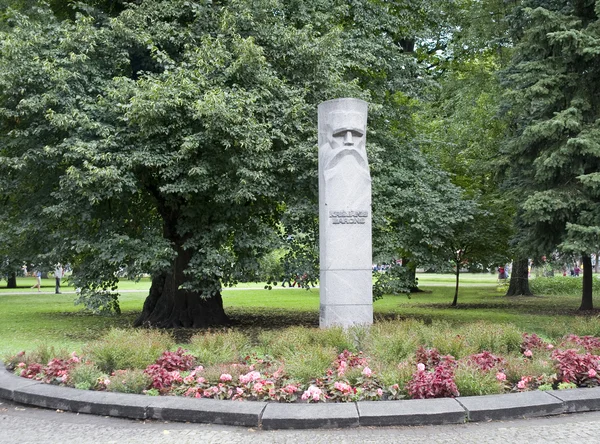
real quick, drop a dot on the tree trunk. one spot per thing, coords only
(519, 279)
(455, 301)
(168, 306)
(12, 280)
(586, 293)
(412, 273)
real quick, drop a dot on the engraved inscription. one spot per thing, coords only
(348, 217)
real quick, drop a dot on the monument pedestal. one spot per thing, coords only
(344, 215)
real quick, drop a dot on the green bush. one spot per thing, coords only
(560, 285)
(126, 349)
(129, 381)
(84, 376)
(223, 347)
(390, 374)
(516, 366)
(495, 338)
(309, 363)
(41, 354)
(472, 381)
(391, 342)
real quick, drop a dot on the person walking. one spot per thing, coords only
(58, 274)
(38, 280)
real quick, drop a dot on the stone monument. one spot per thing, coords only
(346, 286)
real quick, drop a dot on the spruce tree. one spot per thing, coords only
(553, 99)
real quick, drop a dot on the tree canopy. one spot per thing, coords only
(171, 136)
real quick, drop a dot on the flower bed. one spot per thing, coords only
(351, 376)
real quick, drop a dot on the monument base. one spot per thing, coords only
(345, 315)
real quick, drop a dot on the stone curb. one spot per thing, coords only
(272, 415)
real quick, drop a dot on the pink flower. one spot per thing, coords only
(521, 384)
(421, 367)
(500, 376)
(225, 377)
(290, 388)
(21, 365)
(342, 368)
(188, 379)
(379, 392)
(367, 372)
(239, 391)
(528, 353)
(342, 387)
(592, 373)
(200, 380)
(395, 386)
(549, 346)
(250, 377)
(313, 393)
(258, 387)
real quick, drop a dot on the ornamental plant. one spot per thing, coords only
(435, 383)
(581, 369)
(590, 344)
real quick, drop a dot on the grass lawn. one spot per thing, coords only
(28, 318)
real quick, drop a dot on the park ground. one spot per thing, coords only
(29, 318)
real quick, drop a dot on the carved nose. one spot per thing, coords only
(348, 138)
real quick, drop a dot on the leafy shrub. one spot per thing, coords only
(515, 367)
(128, 349)
(438, 383)
(213, 373)
(559, 285)
(581, 369)
(42, 353)
(392, 342)
(472, 381)
(532, 341)
(590, 344)
(306, 364)
(484, 361)
(213, 348)
(177, 360)
(394, 374)
(84, 376)
(129, 381)
(498, 339)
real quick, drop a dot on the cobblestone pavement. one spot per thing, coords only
(23, 424)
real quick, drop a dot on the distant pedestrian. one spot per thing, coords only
(577, 270)
(38, 280)
(502, 275)
(58, 274)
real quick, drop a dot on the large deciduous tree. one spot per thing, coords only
(169, 136)
(554, 82)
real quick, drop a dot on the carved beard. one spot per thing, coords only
(359, 165)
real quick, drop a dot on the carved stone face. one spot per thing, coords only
(346, 130)
(345, 137)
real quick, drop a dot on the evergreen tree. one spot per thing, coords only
(554, 105)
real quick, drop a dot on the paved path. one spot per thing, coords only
(23, 424)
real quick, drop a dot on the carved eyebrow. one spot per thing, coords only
(341, 132)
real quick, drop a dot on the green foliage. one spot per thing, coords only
(211, 348)
(553, 151)
(395, 280)
(559, 285)
(84, 376)
(517, 367)
(129, 381)
(296, 340)
(126, 349)
(471, 381)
